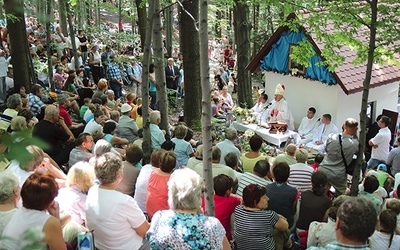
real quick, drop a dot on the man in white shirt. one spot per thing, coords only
(380, 144)
(308, 126)
(322, 132)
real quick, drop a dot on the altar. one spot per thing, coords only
(275, 139)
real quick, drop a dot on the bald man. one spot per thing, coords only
(53, 130)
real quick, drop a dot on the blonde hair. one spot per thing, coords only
(81, 175)
(18, 123)
(37, 156)
(130, 96)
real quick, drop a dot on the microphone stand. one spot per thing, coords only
(262, 114)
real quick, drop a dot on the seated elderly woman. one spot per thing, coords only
(18, 124)
(72, 198)
(39, 213)
(101, 147)
(254, 224)
(14, 104)
(9, 196)
(157, 196)
(115, 217)
(184, 226)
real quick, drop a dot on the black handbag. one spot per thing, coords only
(349, 167)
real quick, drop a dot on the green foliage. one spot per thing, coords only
(12, 18)
(172, 98)
(16, 144)
(346, 23)
(302, 53)
(32, 240)
(40, 66)
(110, 38)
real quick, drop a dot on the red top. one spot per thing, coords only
(64, 114)
(315, 166)
(224, 208)
(157, 196)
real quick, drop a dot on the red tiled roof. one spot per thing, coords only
(349, 76)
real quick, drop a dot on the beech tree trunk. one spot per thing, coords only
(142, 20)
(63, 16)
(162, 101)
(364, 103)
(145, 81)
(190, 49)
(49, 11)
(242, 38)
(168, 29)
(72, 35)
(206, 108)
(40, 11)
(19, 43)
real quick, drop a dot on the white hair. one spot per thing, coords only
(102, 146)
(8, 183)
(184, 189)
(154, 116)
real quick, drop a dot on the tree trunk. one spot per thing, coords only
(217, 27)
(270, 21)
(206, 108)
(168, 29)
(88, 12)
(162, 102)
(81, 13)
(72, 35)
(364, 103)
(242, 37)
(19, 43)
(63, 16)
(142, 21)
(120, 27)
(145, 81)
(1, 10)
(40, 11)
(191, 61)
(49, 11)
(256, 11)
(97, 12)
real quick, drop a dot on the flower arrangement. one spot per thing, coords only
(238, 111)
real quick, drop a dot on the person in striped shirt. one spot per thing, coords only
(254, 224)
(300, 173)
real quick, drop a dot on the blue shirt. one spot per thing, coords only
(113, 72)
(182, 151)
(35, 104)
(157, 136)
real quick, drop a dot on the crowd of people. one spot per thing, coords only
(93, 176)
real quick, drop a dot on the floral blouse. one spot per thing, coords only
(174, 230)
